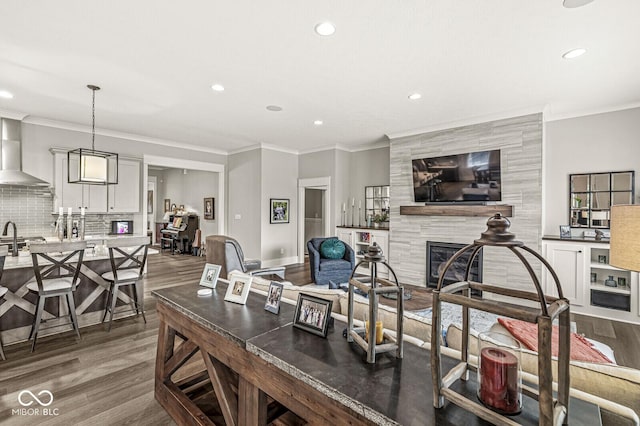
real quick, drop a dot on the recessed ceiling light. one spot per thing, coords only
(217, 87)
(575, 3)
(274, 108)
(415, 96)
(5, 94)
(574, 53)
(325, 29)
(318, 122)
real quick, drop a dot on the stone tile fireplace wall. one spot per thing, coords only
(520, 140)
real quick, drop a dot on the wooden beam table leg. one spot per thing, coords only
(252, 404)
(221, 379)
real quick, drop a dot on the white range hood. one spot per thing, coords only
(11, 156)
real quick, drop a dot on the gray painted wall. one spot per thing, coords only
(279, 180)
(520, 140)
(245, 200)
(595, 143)
(370, 167)
(322, 164)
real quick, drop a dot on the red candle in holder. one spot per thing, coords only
(499, 380)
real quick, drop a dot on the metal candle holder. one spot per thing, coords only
(552, 411)
(377, 286)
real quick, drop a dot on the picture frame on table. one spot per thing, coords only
(209, 208)
(622, 282)
(565, 231)
(312, 314)
(238, 289)
(167, 205)
(210, 275)
(602, 258)
(279, 210)
(274, 294)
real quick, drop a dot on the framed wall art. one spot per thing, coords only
(279, 210)
(312, 314)
(209, 208)
(167, 205)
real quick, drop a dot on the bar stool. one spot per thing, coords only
(3, 290)
(126, 270)
(56, 276)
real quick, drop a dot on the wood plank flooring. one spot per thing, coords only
(108, 378)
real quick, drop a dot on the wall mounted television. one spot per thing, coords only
(473, 177)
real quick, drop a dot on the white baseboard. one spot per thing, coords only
(279, 262)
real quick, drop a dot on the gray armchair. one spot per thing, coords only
(226, 252)
(324, 270)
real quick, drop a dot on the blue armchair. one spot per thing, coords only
(323, 270)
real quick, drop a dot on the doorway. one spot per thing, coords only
(316, 212)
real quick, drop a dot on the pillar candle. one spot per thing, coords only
(70, 211)
(379, 332)
(359, 204)
(82, 211)
(61, 211)
(499, 380)
(344, 207)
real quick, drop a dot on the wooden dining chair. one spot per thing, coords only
(3, 290)
(57, 270)
(128, 258)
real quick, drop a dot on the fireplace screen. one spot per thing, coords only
(437, 256)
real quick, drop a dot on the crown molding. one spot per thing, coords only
(120, 135)
(339, 147)
(13, 115)
(468, 122)
(549, 116)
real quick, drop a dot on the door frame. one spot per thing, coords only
(322, 183)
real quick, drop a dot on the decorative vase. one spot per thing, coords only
(610, 282)
(499, 373)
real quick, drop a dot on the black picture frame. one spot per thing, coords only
(565, 231)
(312, 314)
(274, 294)
(209, 208)
(279, 210)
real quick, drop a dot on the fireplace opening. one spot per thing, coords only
(438, 254)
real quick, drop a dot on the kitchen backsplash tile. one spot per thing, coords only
(30, 208)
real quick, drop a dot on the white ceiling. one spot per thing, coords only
(156, 60)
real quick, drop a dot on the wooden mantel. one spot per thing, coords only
(457, 210)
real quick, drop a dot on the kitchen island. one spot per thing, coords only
(17, 312)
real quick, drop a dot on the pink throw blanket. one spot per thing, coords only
(527, 334)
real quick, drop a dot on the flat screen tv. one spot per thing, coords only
(469, 177)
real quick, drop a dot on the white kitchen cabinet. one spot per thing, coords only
(582, 266)
(121, 198)
(74, 195)
(360, 239)
(125, 196)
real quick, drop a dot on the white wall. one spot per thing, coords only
(367, 168)
(595, 143)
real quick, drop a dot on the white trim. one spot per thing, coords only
(13, 115)
(593, 111)
(279, 262)
(467, 122)
(338, 147)
(264, 146)
(121, 135)
(193, 165)
(323, 183)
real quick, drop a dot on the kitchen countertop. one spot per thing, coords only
(23, 260)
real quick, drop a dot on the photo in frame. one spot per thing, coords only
(279, 210)
(312, 314)
(238, 290)
(210, 275)
(565, 231)
(150, 201)
(167, 205)
(208, 208)
(273, 297)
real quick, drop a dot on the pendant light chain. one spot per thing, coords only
(93, 115)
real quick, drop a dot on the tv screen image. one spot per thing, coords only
(121, 227)
(468, 177)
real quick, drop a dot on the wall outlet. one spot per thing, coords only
(281, 251)
(237, 216)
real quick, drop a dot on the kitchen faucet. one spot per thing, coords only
(14, 248)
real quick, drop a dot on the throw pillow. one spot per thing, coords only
(332, 248)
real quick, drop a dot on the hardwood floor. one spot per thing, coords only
(108, 378)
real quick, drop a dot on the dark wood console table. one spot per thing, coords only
(259, 366)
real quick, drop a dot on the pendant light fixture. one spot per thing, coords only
(88, 166)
